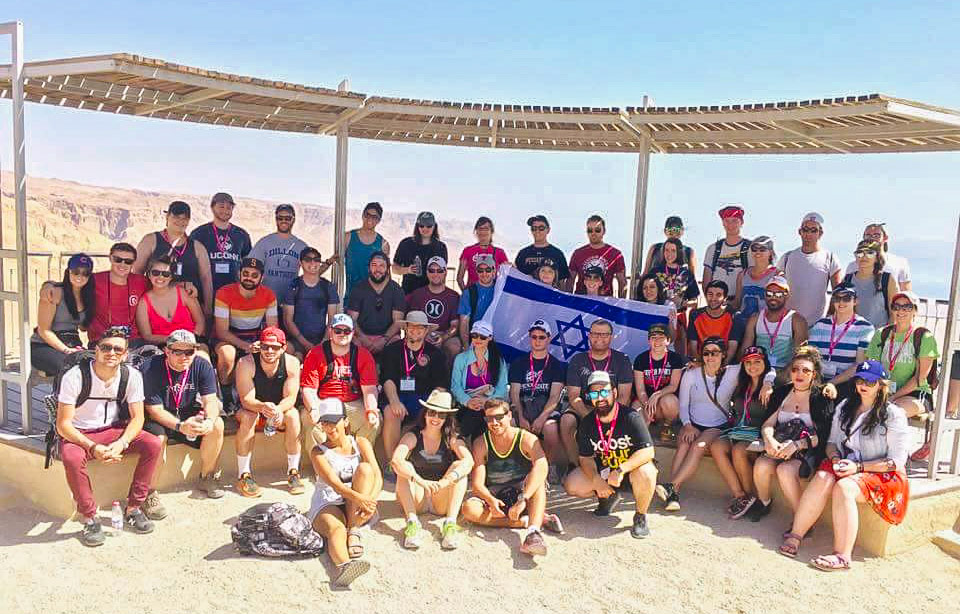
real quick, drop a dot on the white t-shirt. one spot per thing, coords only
(809, 277)
(729, 262)
(95, 412)
(897, 266)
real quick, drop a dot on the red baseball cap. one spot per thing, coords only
(272, 334)
(731, 211)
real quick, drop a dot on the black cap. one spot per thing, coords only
(285, 207)
(309, 251)
(845, 288)
(593, 271)
(178, 207)
(252, 263)
(658, 329)
(538, 218)
(221, 197)
(673, 221)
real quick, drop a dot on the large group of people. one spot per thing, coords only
(791, 369)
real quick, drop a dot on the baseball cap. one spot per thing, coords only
(909, 295)
(80, 261)
(437, 260)
(720, 342)
(426, 219)
(252, 263)
(540, 324)
(593, 271)
(658, 329)
(538, 218)
(181, 336)
(487, 260)
(599, 377)
(285, 207)
(754, 351)
(673, 221)
(548, 262)
(221, 197)
(309, 251)
(331, 410)
(813, 216)
(178, 207)
(482, 328)
(763, 240)
(845, 288)
(342, 319)
(779, 281)
(731, 211)
(272, 334)
(870, 371)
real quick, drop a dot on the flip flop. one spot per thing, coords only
(786, 549)
(355, 549)
(831, 562)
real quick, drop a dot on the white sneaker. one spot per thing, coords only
(412, 535)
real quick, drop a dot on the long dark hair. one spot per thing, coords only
(448, 432)
(88, 294)
(661, 291)
(493, 361)
(877, 416)
(681, 261)
(744, 381)
(878, 263)
(434, 238)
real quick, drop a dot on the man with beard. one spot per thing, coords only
(811, 269)
(240, 312)
(777, 329)
(714, 320)
(309, 304)
(280, 252)
(225, 243)
(597, 253)
(440, 303)
(377, 306)
(615, 449)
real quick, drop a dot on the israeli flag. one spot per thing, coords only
(518, 300)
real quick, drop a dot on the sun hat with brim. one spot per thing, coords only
(331, 410)
(419, 318)
(909, 295)
(440, 401)
(870, 371)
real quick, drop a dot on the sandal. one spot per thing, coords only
(791, 545)
(831, 562)
(354, 544)
(790, 530)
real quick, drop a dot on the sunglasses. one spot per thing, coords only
(538, 228)
(181, 352)
(810, 229)
(342, 330)
(865, 253)
(594, 231)
(108, 348)
(424, 225)
(484, 269)
(859, 381)
(311, 259)
(712, 353)
(843, 298)
(758, 248)
(593, 395)
(901, 307)
(119, 260)
(776, 294)
(379, 304)
(159, 273)
(592, 278)
(285, 218)
(674, 229)
(539, 337)
(80, 272)
(479, 336)
(432, 413)
(804, 370)
(495, 418)
(598, 334)
(269, 347)
(435, 270)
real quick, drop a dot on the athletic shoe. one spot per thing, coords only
(136, 520)
(246, 486)
(294, 483)
(92, 534)
(451, 536)
(759, 510)
(152, 507)
(741, 506)
(350, 571)
(669, 495)
(605, 505)
(412, 535)
(210, 484)
(533, 544)
(639, 530)
(551, 522)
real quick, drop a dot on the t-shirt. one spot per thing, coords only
(116, 305)
(412, 252)
(679, 284)
(897, 266)
(310, 304)
(200, 381)
(97, 411)
(375, 311)
(281, 259)
(905, 360)
(342, 384)
(729, 263)
(617, 364)
(246, 316)
(471, 253)
(607, 257)
(847, 340)
(484, 298)
(703, 325)
(546, 371)
(658, 376)
(630, 434)
(428, 368)
(440, 308)
(809, 275)
(531, 257)
(226, 249)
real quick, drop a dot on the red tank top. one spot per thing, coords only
(181, 317)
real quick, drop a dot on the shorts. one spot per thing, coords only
(471, 423)
(509, 493)
(925, 399)
(955, 366)
(702, 428)
(155, 428)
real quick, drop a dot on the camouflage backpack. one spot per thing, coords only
(275, 530)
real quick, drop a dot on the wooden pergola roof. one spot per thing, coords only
(133, 85)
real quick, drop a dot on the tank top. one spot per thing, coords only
(181, 317)
(64, 324)
(786, 416)
(871, 304)
(475, 381)
(344, 465)
(780, 350)
(753, 292)
(269, 389)
(512, 466)
(358, 258)
(431, 466)
(184, 259)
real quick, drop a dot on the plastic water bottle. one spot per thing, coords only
(116, 518)
(201, 416)
(270, 428)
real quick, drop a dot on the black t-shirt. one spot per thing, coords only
(520, 373)
(201, 380)
(617, 365)
(659, 376)
(530, 257)
(629, 435)
(411, 251)
(375, 311)
(428, 369)
(234, 245)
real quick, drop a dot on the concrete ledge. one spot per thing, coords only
(949, 542)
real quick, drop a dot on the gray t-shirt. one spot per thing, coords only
(375, 311)
(809, 276)
(281, 258)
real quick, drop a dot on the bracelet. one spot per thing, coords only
(456, 474)
(176, 426)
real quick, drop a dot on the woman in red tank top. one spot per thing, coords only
(165, 307)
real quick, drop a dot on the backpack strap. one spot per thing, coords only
(885, 334)
(744, 254)
(86, 381)
(328, 358)
(122, 392)
(354, 366)
(716, 254)
(884, 284)
(474, 296)
(848, 279)
(297, 285)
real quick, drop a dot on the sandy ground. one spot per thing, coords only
(695, 561)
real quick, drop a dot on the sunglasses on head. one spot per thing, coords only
(492, 419)
(119, 260)
(108, 348)
(342, 330)
(80, 272)
(159, 273)
(593, 395)
(479, 336)
(188, 352)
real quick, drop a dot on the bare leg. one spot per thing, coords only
(568, 435)
(552, 445)
(291, 435)
(953, 395)
(246, 425)
(910, 406)
(409, 495)
(577, 485)
(763, 471)
(477, 513)
(449, 500)
(391, 432)
(721, 450)
(812, 502)
(846, 519)
(643, 482)
(536, 506)
(210, 447)
(668, 409)
(692, 460)
(681, 455)
(331, 525)
(788, 474)
(226, 357)
(364, 481)
(743, 465)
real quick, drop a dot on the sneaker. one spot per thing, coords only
(413, 535)
(246, 486)
(210, 484)
(350, 571)
(759, 510)
(152, 507)
(533, 544)
(451, 536)
(741, 506)
(922, 453)
(138, 521)
(639, 530)
(606, 505)
(671, 498)
(92, 534)
(294, 483)
(551, 522)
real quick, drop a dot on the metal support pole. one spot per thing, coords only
(340, 201)
(949, 344)
(639, 214)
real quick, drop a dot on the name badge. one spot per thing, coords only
(408, 384)
(893, 385)
(605, 473)
(221, 268)
(178, 269)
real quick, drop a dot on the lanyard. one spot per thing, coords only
(663, 371)
(221, 243)
(174, 395)
(484, 375)
(407, 367)
(746, 405)
(776, 331)
(539, 377)
(891, 357)
(606, 443)
(833, 328)
(177, 253)
(606, 367)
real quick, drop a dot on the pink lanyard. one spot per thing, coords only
(663, 371)
(606, 367)
(407, 367)
(221, 243)
(833, 328)
(891, 357)
(177, 396)
(746, 404)
(173, 250)
(605, 443)
(536, 382)
(776, 331)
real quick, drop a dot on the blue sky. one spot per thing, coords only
(558, 53)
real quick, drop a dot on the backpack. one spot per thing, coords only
(474, 298)
(329, 359)
(933, 377)
(275, 530)
(884, 284)
(744, 254)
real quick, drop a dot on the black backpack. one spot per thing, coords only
(329, 359)
(473, 295)
(744, 254)
(275, 530)
(933, 377)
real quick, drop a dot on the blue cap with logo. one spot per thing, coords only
(870, 371)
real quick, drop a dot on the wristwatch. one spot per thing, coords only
(176, 427)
